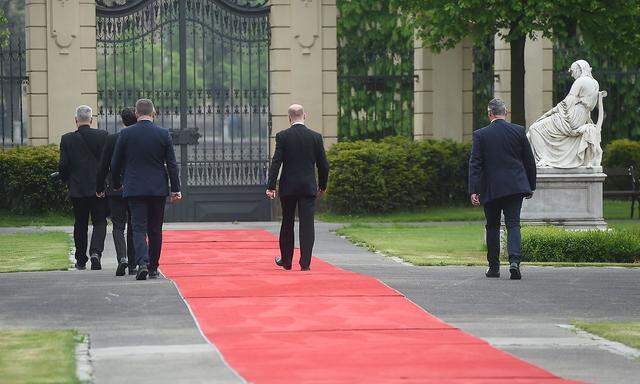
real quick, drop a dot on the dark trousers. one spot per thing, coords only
(83, 207)
(147, 216)
(306, 209)
(120, 218)
(510, 206)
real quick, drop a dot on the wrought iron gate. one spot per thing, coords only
(205, 65)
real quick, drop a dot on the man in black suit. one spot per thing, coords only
(79, 154)
(300, 151)
(502, 171)
(143, 156)
(118, 207)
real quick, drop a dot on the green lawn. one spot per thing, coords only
(48, 219)
(38, 356)
(41, 251)
(625, 333)
(613, 209)
(443, 244)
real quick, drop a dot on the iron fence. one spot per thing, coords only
(13, 79)
(375, 94)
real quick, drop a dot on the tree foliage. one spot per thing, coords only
(603, 25)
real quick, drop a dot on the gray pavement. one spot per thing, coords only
(144, 330)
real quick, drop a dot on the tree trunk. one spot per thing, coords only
(517, 80)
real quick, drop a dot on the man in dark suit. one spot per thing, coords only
(502, 171)
(79, 154)
(143, 156)
(299, 151)
(118, 207)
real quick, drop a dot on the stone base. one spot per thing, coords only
(571, 198)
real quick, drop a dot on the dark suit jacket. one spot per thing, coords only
(142, 157)
(79, 160)
(104, 176)
(501, 163)
(300, 151)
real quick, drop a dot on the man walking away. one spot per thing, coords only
(299, 151)
(502, 171)
(143, 156)
(79, 155)
(117, 204)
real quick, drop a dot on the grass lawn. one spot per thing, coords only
(41, 251)
(48, 219)
(38, 356)
(613, 209)
(444, 244)
(625, 333)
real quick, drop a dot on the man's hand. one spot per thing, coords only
(321, 192)
(528, 195)
(100, 194)
(119, 189)
(175, 196)
(271, 194)
(475, 199)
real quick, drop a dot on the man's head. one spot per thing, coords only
(296, 114)
(497, 109)
(128, 116)
(84, 115)
(144, 108)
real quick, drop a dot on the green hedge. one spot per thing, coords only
(622, 153)
(396, 174)
(554, 244)
(25, 185)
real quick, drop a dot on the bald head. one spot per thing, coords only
(296, 113)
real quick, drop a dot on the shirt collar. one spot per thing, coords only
(297, 123)
(145, 118)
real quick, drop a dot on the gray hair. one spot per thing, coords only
(497, 107)
(84, 113)
(296, 112)
(144, 107)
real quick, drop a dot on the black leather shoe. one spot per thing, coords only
(95, 262)
(81, 266)
(280, 263)
(122, 268)
(514, 269)
(305, 268)
(142, 273)
(153, 273)
(493, 272)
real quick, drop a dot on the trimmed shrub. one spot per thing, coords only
(395, 174)
(25, 185)
(555, 244)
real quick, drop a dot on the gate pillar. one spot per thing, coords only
(61, 65)
(303, 64)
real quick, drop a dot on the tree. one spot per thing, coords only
(602, 25)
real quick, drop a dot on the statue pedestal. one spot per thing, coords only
(571, 198)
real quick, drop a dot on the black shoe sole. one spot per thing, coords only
(81, 267)
(122, 268)
(279, 264)
(515, 274)
(142, 275)
(95, 264)
(493, 276)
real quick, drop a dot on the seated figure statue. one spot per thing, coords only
(565, 136)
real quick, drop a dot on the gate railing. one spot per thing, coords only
(13, 79)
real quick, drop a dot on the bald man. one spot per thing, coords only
(300, 151)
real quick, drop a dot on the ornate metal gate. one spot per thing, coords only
(205, 65)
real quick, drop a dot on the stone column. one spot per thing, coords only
(538, 78)
(61, 65)
(303, 64)
(443, 93)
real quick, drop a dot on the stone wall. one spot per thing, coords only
(61, 65)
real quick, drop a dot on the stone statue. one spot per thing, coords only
(565, 136)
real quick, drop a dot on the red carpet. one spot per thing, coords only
(324, 326)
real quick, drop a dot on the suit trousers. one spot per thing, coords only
(147, 217)
(306, 209)
(83, 207)
(120, 217)
(510, 206)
